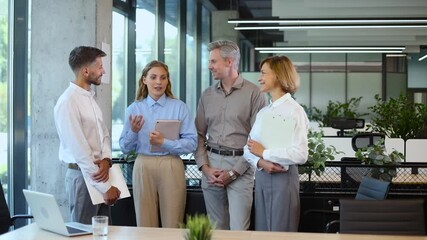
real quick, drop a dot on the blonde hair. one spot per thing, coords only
(142, 91)
(285, 72)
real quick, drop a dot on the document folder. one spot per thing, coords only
(169, 129)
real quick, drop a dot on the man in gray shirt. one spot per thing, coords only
(225, 115)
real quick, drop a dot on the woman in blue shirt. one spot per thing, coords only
(158, 177)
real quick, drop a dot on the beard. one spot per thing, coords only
(95, 80)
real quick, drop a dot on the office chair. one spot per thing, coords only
(369, 189)
(6, 221)
(352, 175)
(392, 217)
(346, 123)
(361, 140)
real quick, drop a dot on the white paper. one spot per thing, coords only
(116, 179)
(276, 131)
(106, 62)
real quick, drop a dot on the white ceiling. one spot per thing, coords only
(330, 9)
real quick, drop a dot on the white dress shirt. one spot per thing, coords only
(83, 135)
(287, 108)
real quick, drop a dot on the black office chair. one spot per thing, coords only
(352, 175)
(345, 124)
(369, 189)
(392, 217)
(6, 221)
(366, 139)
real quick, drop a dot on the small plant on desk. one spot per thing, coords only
(199, 227)
(318, 154)
(377, 155)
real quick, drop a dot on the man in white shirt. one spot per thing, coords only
(85, 144)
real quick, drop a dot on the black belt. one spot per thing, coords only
(225, 152)
(74, 166)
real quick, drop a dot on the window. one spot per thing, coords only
(172, 44)
(4, 49)
(191, 56)
(119, 78)
(145, 36)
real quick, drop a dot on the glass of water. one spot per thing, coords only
(100, 227)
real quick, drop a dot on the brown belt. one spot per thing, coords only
(74, 166)
(225, 152)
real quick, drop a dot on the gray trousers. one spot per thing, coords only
(277, 201)
(229, 207)
(81, 207)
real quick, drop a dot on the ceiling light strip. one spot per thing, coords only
(327, 21)
(327, 48)
(422, 58)
(333, 51)
(308, 27)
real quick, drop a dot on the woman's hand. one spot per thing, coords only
(136, 123)
(255, 148)
(156, 138)
(270, 167)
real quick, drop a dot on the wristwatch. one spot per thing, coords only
(232, 175)
(109, 161)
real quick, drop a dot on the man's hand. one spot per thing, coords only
(255, 148)
(111, 196)
(270, 167)
(225, 177)
(136, 123)
(212, 174)
(156, 138)
(102, 174)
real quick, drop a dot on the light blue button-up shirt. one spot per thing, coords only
(163, 109)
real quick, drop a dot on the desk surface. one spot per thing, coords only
(117, 232)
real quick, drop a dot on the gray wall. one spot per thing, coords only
(57, 26)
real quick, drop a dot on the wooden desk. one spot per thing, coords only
(32, 232)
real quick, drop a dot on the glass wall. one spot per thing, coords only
(146, 45)
(172, 44)
(119, 71)
(206, 38)
(191, 56)
(4, 76)
(147, 40)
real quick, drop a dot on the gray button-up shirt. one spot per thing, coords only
(224, 120)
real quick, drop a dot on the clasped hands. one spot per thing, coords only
(217, 177)
(257, 149)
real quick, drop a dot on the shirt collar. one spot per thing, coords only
(281, 100)
(237, 84)
(82, 91)
(161, 101)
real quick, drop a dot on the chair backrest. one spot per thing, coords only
(5, 221)
(372, 189)
(394, 217)
(361, 140)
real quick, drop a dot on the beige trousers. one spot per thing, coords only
(159, 187)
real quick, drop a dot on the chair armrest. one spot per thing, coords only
(330, 224)
(321, 211)
(20, 216)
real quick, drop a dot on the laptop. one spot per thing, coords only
(48, 216)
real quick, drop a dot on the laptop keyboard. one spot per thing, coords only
(72, 230)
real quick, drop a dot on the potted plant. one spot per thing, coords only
(376, 154)
(335, 109)
(398, 118)
(127, 165)
(199, 227)
(318, 154)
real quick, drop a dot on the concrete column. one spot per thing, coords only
(220, 29)
(57, 26)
